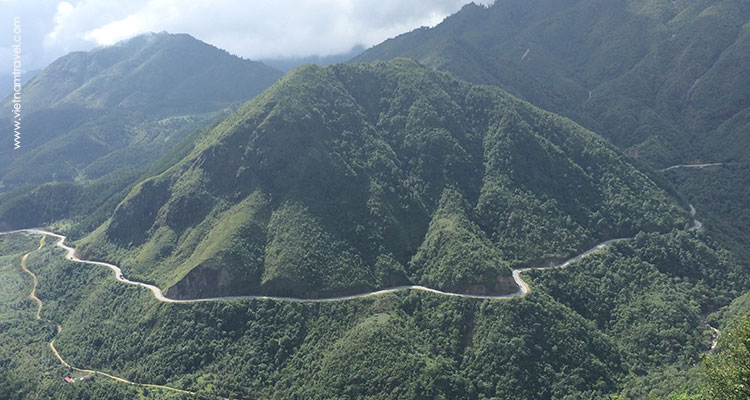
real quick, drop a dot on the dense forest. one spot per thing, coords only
(665, 80)
(721, 193)
(389, 171)
(629, 321)
(353, 177)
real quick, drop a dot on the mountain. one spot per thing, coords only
(665, 80)
(90, 114)
(352, 177)
(26, 76)
(721, 192)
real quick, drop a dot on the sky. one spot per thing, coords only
(253, 29)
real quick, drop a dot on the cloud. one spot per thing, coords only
(64, 9)
(252, 29)
(113, 32)
(73, 21)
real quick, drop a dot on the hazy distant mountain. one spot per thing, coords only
(118, 107)
(6, 81)
(666, 80)
(352, 177)
(288, 64)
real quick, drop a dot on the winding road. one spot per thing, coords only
(32, 295)
(715, 338)
(523, 289)
(110, 376)
(696, 224)
(38, 316)
(523, 286)
(696, 166)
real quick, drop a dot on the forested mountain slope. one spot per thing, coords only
(721, 192)
(666, 80)
(625, 321)
(352, 177)
(93, 113)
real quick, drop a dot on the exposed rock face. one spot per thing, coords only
(504, 285)
(204, 282)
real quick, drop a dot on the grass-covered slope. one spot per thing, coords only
(665, 79)
(92, 113)
(350, 177)
(77, 208)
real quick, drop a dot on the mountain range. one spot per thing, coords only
(95, 123)
(664, 80)
(94, 113)
(467, 158)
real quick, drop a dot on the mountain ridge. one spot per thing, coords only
(660, 79)
(89, 112)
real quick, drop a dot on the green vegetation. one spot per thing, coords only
(651, 294)
(412, 345)
(299, 250)
(727, 373)
(664, 79)
(358, 177)
(84, 206)
(720, 193)
(28, 370)
(94, 113)
(626, 321)
(38, 205)
(456, 253)
(331, 182)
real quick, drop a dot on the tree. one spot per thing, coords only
(727, 373)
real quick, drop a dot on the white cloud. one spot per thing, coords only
(66, 31)
(252, 29)
(64, 9)
(115, 31)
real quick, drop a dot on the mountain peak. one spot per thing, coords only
(107, 96)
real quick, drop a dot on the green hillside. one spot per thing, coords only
(625, 322)
(353, 177)
(721, 193)
(80, 207)
(90, 114)
(666, 80)
(430, 162)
